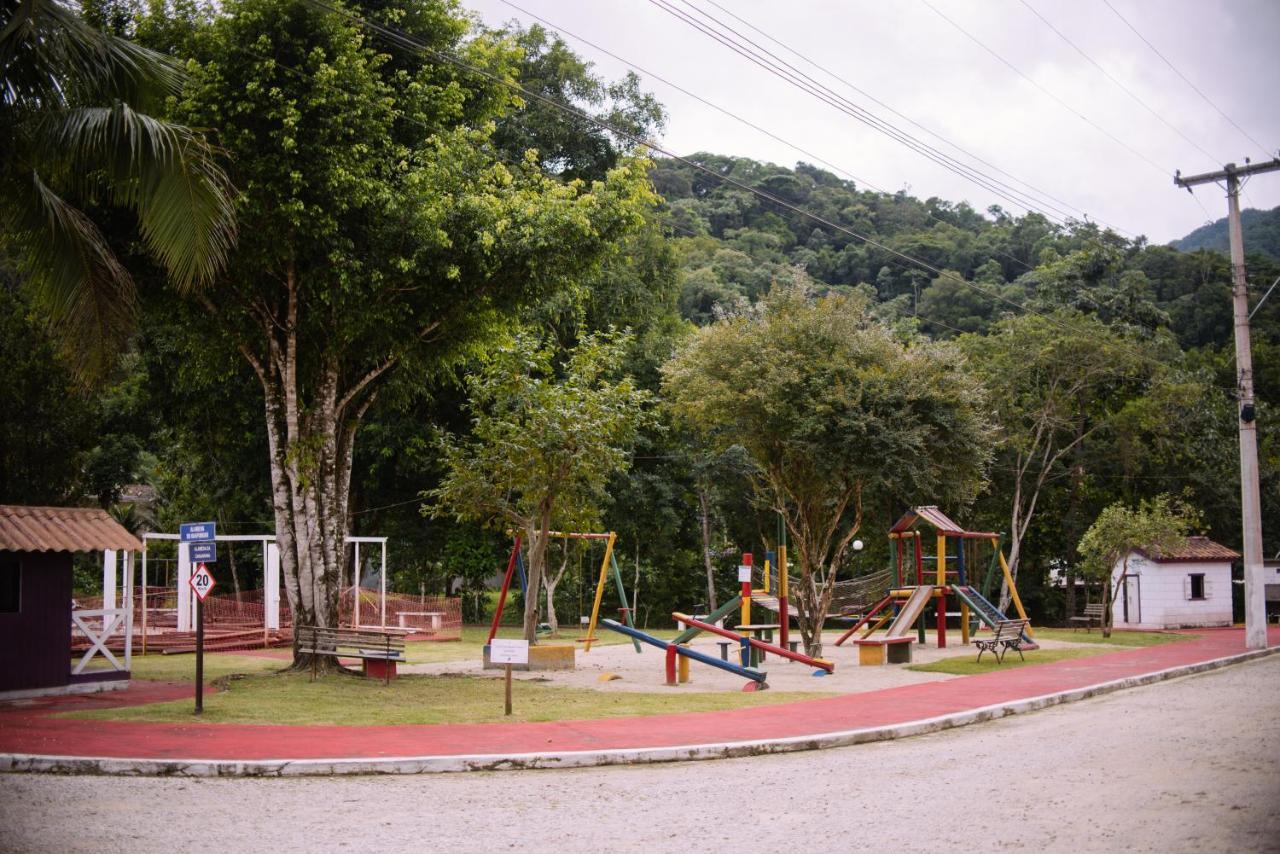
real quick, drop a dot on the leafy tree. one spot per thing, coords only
(80, 132)
(383, 239)
(1057, 382)
(832, 410)
(1156, 526)
(542, 447)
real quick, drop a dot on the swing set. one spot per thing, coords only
(608, 568)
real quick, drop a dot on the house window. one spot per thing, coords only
(10, 586)
(1197, 585)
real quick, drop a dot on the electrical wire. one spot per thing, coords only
(1116, 81)
(1168, 173)
(730, 114)
(798, 79)
(1186, 80)
(897, 113)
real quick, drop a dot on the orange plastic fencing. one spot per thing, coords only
(238, 623)
(427, 617)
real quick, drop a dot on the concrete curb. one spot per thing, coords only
(33, 763)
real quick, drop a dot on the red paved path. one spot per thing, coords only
(28, 727)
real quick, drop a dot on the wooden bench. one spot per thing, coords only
(377, 650)
(1092, 614)
(1008, 635)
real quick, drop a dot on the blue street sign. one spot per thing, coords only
(204, 552)
(197, 532)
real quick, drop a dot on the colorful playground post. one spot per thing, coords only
(744, 576)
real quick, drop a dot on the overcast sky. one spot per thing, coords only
(906, 55)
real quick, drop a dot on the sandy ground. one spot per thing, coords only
(1187, 765)
(646, 671)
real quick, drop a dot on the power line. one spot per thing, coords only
(1016, 70)
(798, 79)
(888, 107)
(1114, 80)
(1185, 79)
(726, 112)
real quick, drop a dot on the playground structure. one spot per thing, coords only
(608, 569)
(678, 652)
(163, 615)
(905, 605)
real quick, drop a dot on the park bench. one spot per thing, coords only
(377, 650)
(1092, 614)
(1007, 636)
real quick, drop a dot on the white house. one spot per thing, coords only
(1186, 589)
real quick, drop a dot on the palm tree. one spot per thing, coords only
(77, 132)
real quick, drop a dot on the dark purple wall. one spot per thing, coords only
(35, 643)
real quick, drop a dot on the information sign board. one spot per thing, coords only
(508, 651)
(204, 552)
(197, 532)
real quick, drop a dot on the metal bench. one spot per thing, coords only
(1092, 614)
(1007, 636)
(381, 648)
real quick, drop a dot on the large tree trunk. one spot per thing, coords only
(311, 428)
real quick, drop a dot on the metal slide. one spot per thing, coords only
(986, 611)
(910, 612)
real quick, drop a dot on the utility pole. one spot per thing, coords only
(1255, 616)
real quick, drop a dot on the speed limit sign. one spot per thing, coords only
(202, 582)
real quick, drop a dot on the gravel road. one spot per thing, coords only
(1187, 765)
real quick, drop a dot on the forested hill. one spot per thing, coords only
(980, 265)
(1261, 234)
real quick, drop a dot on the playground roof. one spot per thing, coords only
(62, 529)
(931, 515)
(1197, 548)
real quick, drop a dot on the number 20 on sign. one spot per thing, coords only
(202, 582)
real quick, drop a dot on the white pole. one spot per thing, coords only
(355, 589)
(184, 588)
(128, 610)
(384, 584)
(144, 596)
(271, 585)
(108, 583)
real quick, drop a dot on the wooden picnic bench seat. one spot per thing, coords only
(1007, 636)
(382, 648)
(1092, 614)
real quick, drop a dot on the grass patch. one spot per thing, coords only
(1126, 639)
(291, 698)
(967, 665)
(182, 668)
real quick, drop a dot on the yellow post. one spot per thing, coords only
(684, 669)
(1013, 592)
(767, 568)
(595, 607)
(942, 560)
(964, 622)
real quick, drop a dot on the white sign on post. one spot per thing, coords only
(744, 573)
(508, 651)
(202, 582)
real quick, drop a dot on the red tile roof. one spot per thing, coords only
(62, 529)
(1198, 548)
